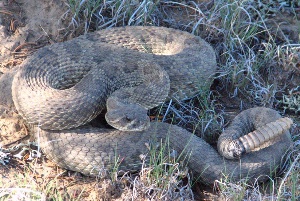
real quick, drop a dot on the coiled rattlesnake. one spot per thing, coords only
(128, 70)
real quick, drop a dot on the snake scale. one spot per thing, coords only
(129, 70)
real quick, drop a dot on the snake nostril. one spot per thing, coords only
(128, 119)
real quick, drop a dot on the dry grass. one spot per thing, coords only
(250, 49)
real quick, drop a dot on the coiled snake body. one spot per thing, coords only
(129, 70)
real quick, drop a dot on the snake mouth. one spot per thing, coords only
(66, 78)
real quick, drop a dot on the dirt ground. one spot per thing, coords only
(25, 26)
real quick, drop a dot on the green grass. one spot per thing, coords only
(162, 176)
(97, 14)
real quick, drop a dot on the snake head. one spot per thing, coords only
(127, 117)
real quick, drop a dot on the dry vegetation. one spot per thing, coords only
(258, 50)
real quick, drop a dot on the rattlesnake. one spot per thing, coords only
(129, 70)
